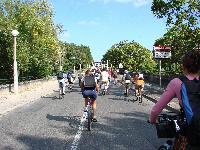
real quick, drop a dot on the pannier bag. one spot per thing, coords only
(167, 128)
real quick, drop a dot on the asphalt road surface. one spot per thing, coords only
(54, 124)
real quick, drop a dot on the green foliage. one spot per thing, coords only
(182, 20)
(37, 43)
(74, 55)
(132, 55)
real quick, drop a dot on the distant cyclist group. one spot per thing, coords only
(186, 88)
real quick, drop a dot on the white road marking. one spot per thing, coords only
(78, 134)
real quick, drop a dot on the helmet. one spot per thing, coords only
(126, 71)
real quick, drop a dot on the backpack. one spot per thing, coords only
(127, 77)
(60, 75)
(190, 95)
(89, 81)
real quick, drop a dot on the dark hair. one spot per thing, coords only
(191, 61)
(87, 72)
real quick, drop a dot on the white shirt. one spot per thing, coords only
(104, 76)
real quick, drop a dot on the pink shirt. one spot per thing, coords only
(172, 91)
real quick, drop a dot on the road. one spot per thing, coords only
(54, 124)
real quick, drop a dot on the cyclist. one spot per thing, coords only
(139, 84)
(61, 81)
(105, 78)
(80, 77)
(110, 74)
(70, 79)
(115, 77)
(191, 68)
(90, 88)
(127, 80)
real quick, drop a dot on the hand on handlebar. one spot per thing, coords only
(148, 121)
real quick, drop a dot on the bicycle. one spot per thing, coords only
(88, 113)
(61, 92)
(170, 126)
(127, 86)
(104, 88)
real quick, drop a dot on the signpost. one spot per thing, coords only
(161, 52)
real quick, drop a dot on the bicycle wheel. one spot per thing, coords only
(163, 147)
(103, 92)
(140, 95)
(126, 93)
(127, 90)
(89, 119)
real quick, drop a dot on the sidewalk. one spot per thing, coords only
(10, 101)
(153, 93)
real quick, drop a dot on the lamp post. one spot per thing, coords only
(80, 65)
(74, 63)
(60, 61)
(15, 74)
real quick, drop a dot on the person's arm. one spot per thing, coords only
(82, 84)
(97, 87)
(165, 98)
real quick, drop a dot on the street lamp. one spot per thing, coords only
(74, 63)
(15, 33)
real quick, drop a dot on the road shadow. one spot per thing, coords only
(128, 131)
(42, 143)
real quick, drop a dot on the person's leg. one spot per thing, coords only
(63, 88)
(136, 91)
(94, 107)
(86, 101)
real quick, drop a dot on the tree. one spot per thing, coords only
(37, 44)
(132, 55)
(183, 34)
(182, 20)
(73, 55)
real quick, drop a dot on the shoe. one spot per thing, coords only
(63, 93)
(94, 120)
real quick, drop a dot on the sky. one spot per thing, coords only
(100, 24)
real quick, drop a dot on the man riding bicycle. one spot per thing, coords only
(127, 81)
(139, 86)
(105, 78)
(89, 89)
(61, 81)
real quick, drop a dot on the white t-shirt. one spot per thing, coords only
(104, 76)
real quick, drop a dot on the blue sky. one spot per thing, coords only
(101, 23)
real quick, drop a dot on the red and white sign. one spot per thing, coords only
(162, 51)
